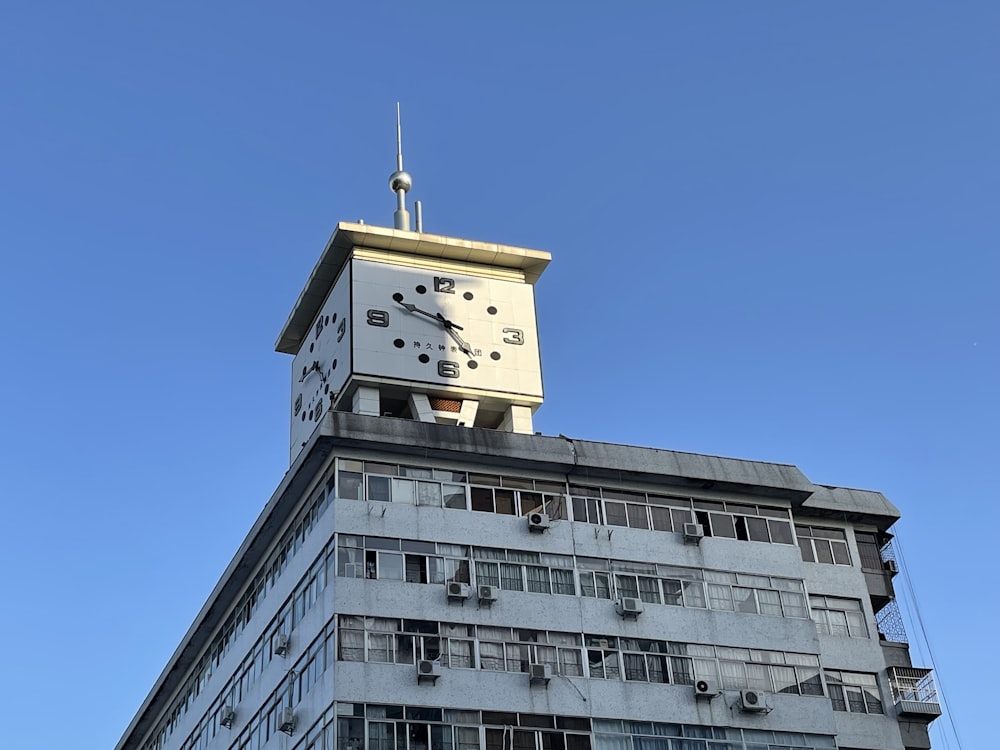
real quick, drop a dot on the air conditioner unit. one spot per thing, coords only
(538, 522)
(428, 670)
(629, 606)
(488, 594)
(891, 567)
(693, 532)
(705, 689)
(281, 644)
(227, 716)
(458, 590)
(752, 701)
(539, 673)
(287, 723)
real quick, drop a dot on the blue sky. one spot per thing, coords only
(774, 229)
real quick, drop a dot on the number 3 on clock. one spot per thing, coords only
(513, 336)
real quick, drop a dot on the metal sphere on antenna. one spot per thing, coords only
(400, 181)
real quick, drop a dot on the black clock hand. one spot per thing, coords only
(449, 326)
(462, 345)
(433, 316)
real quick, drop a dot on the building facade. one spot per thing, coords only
(431, 574)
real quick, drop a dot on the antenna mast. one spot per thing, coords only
(400, 182)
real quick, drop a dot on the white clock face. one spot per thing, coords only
(322, 364)
(445, 328)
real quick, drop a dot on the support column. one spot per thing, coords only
(366, 401)
(517, 419)
(420, 407)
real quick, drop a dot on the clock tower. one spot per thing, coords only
(400, 323)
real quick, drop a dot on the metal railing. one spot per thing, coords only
(913, 691)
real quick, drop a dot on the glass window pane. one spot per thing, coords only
(490, 480)
(793, 604)
(720, 596)
(856, 625)
(403, 491)
(487, 573)
(823, 552)
(694, 594)
(531, 502)
(512, 578)
(349, 485)
(682, 670)
(637, 518)
(805, 546)
(429, 493)
(784, 679)
(757, 529)
(538, 579)
(635, 667)
(616, 514)
(482, 499)
(661, 518)
(840, 553)
(627, 585)
(649, 590)
(454, 496)
(781, 532)
(680, 516)
(722, 525)
(562, 582)
(744, 600)
(390, 566)
(504, 502)
(769, 601)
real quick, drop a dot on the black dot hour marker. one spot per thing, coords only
(398, 297)
(494, 356)
(334, 318)
(473, 364)
(327, 320)
(491, 310)
(333, 365)
(424, 358)
(467, 295)
(310, 347)
(399, 343)
(421, 289)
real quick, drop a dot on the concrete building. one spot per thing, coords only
(431, 574)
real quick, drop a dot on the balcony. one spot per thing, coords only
(914, 693)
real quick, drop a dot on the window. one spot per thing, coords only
(823, 545)
(415, 561)
(854, 692)
(838, 616)
(870, 550)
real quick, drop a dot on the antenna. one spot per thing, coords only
(400, 182)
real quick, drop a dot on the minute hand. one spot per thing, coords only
(433, 316)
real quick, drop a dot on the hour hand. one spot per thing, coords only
(462, 345)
